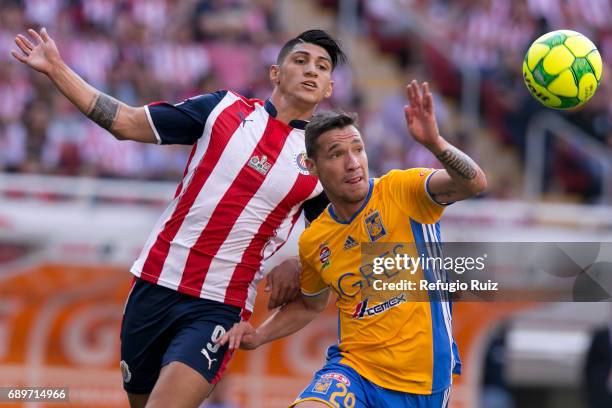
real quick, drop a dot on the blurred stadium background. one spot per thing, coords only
(76, 205)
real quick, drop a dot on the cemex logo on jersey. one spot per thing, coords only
(362, 310)
(262, 164)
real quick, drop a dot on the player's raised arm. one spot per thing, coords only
(287, 320)
(125, 122)
(462, 177)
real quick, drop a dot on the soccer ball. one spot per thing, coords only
(562, 69)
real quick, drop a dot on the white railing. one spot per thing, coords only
(550, 123)
(84, 190)
(74, 209)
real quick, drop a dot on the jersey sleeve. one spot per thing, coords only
(311, 282)
(410, 189)
(315, 206)
(184, 122)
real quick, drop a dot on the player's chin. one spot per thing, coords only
(312, 97)
(356, 192)
(355, 197)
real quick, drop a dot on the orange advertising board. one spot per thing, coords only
(59, 327)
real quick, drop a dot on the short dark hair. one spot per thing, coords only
(316, 37)
(321, 123)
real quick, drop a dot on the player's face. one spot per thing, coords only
(305, 74)
(342, 165)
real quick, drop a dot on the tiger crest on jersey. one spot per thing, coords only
(374, 225)
(322, 386)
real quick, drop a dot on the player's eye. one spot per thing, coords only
(323, 67)
(300, 60)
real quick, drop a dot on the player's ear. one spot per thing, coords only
(329, 90)
(311, 166)
(274, 74)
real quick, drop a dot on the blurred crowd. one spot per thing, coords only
(491, 37)
(138, 51)
(148, 50)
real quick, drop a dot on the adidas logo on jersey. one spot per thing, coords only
(260, 164)
(350, 243)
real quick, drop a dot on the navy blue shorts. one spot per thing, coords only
(161, 325)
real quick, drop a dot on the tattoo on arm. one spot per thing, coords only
(104, 111)
(454, 159)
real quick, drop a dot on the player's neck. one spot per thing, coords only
(344, 210)
(287, 109)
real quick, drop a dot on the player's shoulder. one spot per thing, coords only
(416, 172)
(218, 95)
(414, 175)
(251, 102)
(319, 227)
(204, 102)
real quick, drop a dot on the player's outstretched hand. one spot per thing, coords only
(420, 115)
(284, 282)
(241, 335)
(39, 51)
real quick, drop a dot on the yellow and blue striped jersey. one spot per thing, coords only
(388, 338)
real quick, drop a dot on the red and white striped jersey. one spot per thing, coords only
(242, 192)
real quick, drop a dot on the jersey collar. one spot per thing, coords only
(365, 202)
(295, 123)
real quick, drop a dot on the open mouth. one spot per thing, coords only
(310, 84)
(354, 180)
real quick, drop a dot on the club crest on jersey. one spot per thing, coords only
(262, 165)
(300, 163)
(362, 310)
(374, 225)
(324, 254)
(322, 385)
(350, 243)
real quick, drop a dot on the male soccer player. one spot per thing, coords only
(394, 352)
(243, 189)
